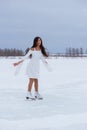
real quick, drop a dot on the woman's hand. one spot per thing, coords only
(15, 64)
(46, 62)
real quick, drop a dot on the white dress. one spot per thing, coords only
(33, 66)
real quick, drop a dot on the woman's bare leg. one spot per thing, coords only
(36, 84)
(29, 94)
(37, 95)
(30, 84)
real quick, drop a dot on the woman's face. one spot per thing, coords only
(39, 42)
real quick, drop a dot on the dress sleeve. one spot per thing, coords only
(46, 64)
(27, 55)
(43, 59)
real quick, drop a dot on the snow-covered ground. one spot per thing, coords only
(65, 97)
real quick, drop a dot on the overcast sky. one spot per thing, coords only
(60, 23)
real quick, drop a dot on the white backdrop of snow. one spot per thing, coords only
(65, 96)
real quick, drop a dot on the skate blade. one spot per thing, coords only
(38, 98)
(30, 99)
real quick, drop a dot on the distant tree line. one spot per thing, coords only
(70, 52)
(75, 52)
(11, 52)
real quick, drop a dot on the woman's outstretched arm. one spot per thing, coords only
(17, 63)
(23, 58)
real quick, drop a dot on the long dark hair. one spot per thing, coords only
(41, 46)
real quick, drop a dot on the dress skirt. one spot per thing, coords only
(33, 69)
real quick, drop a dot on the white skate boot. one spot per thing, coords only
(30, 96)
(38, 96)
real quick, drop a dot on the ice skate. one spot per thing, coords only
(38, 96)
(30, 96)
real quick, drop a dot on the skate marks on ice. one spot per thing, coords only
(81, 126)
(13, 105)
(69, 84)
(45, 129)
(74, 96)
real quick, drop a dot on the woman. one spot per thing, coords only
(35, 53)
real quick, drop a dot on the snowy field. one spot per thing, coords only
(65, 97)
